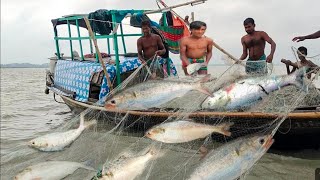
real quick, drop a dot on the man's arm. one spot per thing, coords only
(288, 63)
(209, 50)
(314, 68)
(273, 46)
(161, 49)
(244, 49)
(310, 36)
(288, 69)
(183, 50)
(311, 64)
(139, 47)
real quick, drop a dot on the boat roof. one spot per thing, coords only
(100, 15)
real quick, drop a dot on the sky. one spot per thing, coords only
(27, 33)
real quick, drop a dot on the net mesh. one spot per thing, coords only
(117, 142)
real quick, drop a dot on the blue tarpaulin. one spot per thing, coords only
(75, 75)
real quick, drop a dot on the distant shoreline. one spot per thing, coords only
(46, 65)
(24, 65)
(20, 67)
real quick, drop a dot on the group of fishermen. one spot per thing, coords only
(197, 48)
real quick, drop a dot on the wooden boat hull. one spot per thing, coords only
(299, 130)
(296, 122)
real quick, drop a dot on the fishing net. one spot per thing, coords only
(119, 135)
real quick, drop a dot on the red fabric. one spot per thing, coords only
(173, 37)
(178, 22)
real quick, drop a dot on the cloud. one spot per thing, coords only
(27, 34)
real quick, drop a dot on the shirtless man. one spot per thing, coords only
(149, 44)
(310, 66)
(310, 36)
(255, 42)
(196, 48)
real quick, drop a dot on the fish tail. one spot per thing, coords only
(88, 165)
(81, 120)
(199, 87)
(83, 124)
(206, 78)
(90, 123)
(204, 90)
(225, 128)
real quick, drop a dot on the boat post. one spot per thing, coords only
(116, 49)
(98, 52)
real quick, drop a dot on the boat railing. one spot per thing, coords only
(78, 21)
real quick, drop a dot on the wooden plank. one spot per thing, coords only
(292, 115)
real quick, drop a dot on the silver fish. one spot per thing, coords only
(50, 170)
(245, 93)
(153, 93)
(185, 131)
(59, 140)
(232, 160)
(126, 168)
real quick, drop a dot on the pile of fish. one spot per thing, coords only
(239, 95)
(229, 161)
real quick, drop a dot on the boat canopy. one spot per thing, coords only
(107, 25)
(100, 17)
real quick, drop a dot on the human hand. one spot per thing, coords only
(269, 59)
(298, 39)
(204, 64)
(143, 62)
(159, 52)
(284, 61)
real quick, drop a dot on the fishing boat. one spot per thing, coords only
(83, 80)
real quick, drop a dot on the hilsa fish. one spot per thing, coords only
(232, 160)
(128, 167)
(185, 130)
(50, 170)
(154, 93)
(59, 140)
(244, 93)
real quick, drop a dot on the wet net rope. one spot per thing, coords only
(118, 137)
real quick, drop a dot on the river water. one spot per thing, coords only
(27, 112)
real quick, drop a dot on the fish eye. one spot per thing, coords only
(33, 142)
(113, 101)
(261, 141)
